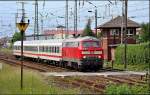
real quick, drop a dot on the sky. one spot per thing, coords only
(53, 13)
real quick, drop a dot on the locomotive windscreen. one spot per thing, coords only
(90, 44)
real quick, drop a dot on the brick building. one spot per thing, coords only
(112, 35)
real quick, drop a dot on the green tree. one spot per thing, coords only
(99, 35)
(16, 37)
(145, 32)
(87, 31)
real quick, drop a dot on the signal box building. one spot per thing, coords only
(113, 34)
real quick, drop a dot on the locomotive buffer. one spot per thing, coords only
(22, 26)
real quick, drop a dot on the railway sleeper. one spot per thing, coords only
(129, 79)
(121, 80)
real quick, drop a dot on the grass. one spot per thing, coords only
(125, 89)
(6, 50)
(33, 83)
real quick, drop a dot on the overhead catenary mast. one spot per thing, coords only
(66, 20)
(122, 23)
(125, 32)
(16, 16)
(36, 24)
(75, 18)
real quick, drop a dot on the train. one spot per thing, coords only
(82, 53)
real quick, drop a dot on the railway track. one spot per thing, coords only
(41, 66)
(99, 83)
(33, 65)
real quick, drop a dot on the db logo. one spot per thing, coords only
(92, 52)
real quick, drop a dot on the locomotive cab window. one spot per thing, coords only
(90, 44)
(71, 44)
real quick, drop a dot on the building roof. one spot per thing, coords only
(61, 26)
(54, 32)
(117, 23)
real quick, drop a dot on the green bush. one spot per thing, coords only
(136, 54)
(124, 89)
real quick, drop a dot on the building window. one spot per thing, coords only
(114, 32)
(130, 32)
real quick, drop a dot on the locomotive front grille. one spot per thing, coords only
(93, 60)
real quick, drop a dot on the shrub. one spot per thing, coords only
(136, 54)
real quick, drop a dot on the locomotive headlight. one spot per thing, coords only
(84, 56)
(85, 52)
(97, 52)
(99, 56)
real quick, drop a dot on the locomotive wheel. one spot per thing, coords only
(61, 64)
(101, 66)
(80, 68)
(76, 66)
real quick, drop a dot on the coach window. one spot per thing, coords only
(24, 48)
(52, 49)
(42, 48)
(47, 49)
(55, 49)
(36, 48)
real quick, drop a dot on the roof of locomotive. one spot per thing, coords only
(86, 38)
